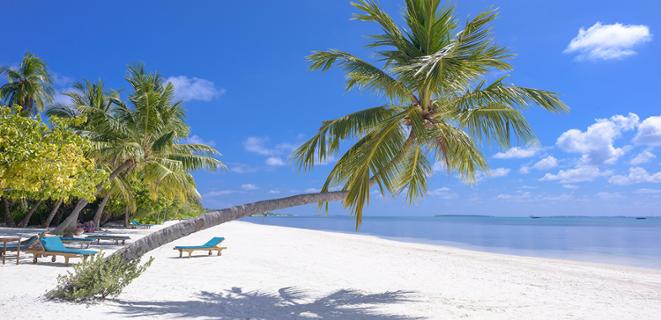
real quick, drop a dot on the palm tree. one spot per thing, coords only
(28, 86)
(439, 108)
(145, 137)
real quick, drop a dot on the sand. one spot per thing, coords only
(273, 272)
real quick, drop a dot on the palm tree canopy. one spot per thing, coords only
(147, 133)
(28, 86)
(440, 106)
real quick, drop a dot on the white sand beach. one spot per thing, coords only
(273, 272)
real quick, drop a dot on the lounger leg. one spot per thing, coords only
(84, 258)
(189, 253)
(209, 252)
(34, 259)
(52, 259)
(66, 260)
(181, 253)
(219, 250)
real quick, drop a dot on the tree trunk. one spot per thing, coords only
(210, 219)
(99, 211)
(51, 215)
(8, 219)
(72, 219)
(26, 220)
(126, 217)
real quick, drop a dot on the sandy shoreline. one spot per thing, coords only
(272, 272)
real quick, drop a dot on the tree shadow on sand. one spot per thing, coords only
(287, 303)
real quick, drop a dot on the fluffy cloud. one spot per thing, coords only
(574, 175)
(608, 41)
(188, 89)
(596, 143)
(275, 161)
(547, 163)
(443, 193)
(249, 186)
(274, 154)
(649, 132)
(643, 157)
(195, 139)
(636, 175)
(517, 152)
(493, 173)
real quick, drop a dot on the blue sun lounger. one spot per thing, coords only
(210, 246)
(25, 245)
(53, 246)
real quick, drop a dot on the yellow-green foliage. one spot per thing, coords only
(97, 279)
(38, 162)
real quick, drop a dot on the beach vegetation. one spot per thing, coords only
(97, 279)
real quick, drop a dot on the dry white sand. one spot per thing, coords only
(273, 272)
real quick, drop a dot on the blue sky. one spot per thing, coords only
(241, 70)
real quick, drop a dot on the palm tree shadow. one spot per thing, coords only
(287, 303)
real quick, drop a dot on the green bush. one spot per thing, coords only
(97, 279)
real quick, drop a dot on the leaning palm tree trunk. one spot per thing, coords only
(8, 219)
(26, 220)
(52, 214)
(72, 219)
(99, 210)
(210, 219)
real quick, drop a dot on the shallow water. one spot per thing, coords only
(617, 240)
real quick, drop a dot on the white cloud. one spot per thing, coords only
(517, 153)
(443, 193)
(60, 80)
(609, 195)
(193, 88)
(312, 190)
(648, 191)
(649, 132)
(574, 175)
(217, 193)
(275, 161)
(195, 139)
(596, 143)
(274, 154)
(636, 175)
(547, 163)
(249, 186)
(274, 191)
(608, 41)
(643, 157)
(438, 166)
(498, 172)
(257, 145)
(527, 196)
(241, 168)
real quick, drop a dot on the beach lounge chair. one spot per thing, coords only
(25, 245)
(115, 238)
(53, 247)
(137, 225)
(210, 246)
(84, 242)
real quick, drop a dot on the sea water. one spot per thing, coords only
(616, 240)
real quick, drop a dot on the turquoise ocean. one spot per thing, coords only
(615, 240)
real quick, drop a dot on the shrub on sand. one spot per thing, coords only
(97, 279)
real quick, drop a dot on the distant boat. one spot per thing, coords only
(641, 218)
(535, 217)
